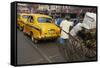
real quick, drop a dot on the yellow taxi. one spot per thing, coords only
(21, 20)
(41, 27)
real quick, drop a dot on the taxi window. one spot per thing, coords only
(25, 16)
(30, 19)
(44, 20)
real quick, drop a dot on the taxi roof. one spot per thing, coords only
(36, 15)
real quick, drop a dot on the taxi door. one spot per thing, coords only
(29, 24)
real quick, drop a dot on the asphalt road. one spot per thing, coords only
(42, 52)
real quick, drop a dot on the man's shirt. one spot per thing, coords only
(65, 25)
(75, 29)
(58, 21)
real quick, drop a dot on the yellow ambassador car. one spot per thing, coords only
(21, 20)
(41, 27)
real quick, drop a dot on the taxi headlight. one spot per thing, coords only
(39, 36)
(40, 30)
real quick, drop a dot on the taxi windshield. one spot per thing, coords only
(44, 20)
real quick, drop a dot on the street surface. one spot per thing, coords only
(43, 52)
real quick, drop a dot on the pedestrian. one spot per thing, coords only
(64, 39)
(58, 21)
(75, 29)
(76, 21)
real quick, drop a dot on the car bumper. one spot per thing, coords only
(44, 37)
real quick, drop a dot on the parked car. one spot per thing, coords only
(41, 27)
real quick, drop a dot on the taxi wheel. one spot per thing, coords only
(33, 39)
(24, 31)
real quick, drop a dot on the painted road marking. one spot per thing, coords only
(39, 50)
